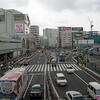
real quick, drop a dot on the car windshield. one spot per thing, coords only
(98, 92)
(78, 98)
(35, 90)
(69, 68)
(61, 78)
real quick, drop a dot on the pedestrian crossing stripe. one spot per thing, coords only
(48, 67)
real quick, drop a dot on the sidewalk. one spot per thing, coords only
(94, 63)
(95, 71)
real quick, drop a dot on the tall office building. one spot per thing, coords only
(34, 31)
(50, 37)
(65, 37)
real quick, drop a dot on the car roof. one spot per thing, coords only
(36, 85)
(69, 67)
(95, 85)
(74, 93)
(60, 74)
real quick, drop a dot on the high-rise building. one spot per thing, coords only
(65, 37)
(34, 31)
(50, 37)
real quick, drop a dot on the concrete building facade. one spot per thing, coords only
(65, 37)
(50, 37)
(34, 31)
(14, 28)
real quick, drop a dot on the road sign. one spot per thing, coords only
(77, 28)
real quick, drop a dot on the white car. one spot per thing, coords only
(70, 69)
(93, 90)
(60, 79)
(74, 95)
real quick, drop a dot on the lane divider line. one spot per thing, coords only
(92, 77)
(80, 78)
(28, 86)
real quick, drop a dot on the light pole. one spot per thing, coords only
(72, 40)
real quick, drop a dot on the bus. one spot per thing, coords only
(13, 84)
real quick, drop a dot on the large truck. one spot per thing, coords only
(13, 84)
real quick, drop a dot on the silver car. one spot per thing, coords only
(60, 79)
(74, 95)
(70, 69)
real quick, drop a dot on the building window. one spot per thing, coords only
(2, 18)
(18, 17)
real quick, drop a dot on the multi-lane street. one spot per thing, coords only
(38, 69)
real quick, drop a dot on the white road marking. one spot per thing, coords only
(30, 68)
(63, 67)
(27, 68)
(81, 79)
(45, 83)
(74, 67)
(37, 68)
(33, 68)
(51, 68)
(54, 68)
(57, 67)
(28, 86)
(45, 68)
(92, 77)
(40, 68)
(77, 67)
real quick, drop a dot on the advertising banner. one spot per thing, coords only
(65, 28)
(19, 28)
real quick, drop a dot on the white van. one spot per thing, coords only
(93, 90)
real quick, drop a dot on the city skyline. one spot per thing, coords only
(52, 14)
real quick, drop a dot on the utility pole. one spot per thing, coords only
(72, 40)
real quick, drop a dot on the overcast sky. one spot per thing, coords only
(54, 13)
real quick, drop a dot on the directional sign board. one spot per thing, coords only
(77, 28)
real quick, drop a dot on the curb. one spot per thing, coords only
(87, 68)
(93, 72)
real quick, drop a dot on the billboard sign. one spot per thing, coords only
(77, 28)
(78, 35)
(19, 28)
(65, 28)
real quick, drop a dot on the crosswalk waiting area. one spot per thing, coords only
(48, 67)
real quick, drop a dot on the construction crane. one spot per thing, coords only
(91, 24)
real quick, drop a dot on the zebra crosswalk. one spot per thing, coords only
(48, 67)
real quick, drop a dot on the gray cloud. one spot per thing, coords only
(13, 3)
(79, 5)
(22, 3)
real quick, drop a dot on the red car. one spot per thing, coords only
(24, 62)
